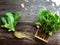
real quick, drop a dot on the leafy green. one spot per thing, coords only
(48, 21)
(9, 20)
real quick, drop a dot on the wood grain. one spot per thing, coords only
(28, 17)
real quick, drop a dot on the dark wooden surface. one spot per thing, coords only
(29, 16)
(7, 38)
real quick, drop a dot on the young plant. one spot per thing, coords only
(48, 21)
(9, 20)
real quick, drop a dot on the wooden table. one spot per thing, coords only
(28, 18)
(7, 38)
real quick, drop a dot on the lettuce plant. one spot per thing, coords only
(9, 20)
(48, 21)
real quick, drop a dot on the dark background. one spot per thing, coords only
(26, 22)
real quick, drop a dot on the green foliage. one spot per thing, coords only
(48, 21)
(9, 20)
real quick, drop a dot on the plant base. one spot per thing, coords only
(42, 36)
